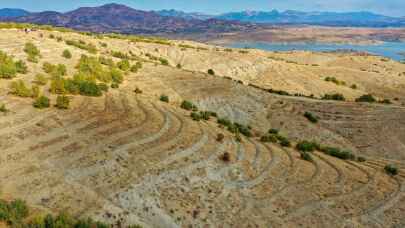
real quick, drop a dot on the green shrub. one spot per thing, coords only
(89, 88)
(120, 55)
(273, 131)
(187, 105)
(57, 86)
(307, 146)
(35, 91)
(66, 54)
(13, 212)
(195, 116)
(338, 153)
(306, 156)
(9, 68)
(3, 108)
(124, 65)
(21, 67)
(269, 138)
(47, 67)
(103, 87)
(41, 102)
(244, 130)
(311, 117)
(32, 52)
(164, 98)
(106, 61)
(62, 102)
(354, 86)
(211, 72)
(334, 80)
(284, 142)
(115, 86)
(178, 66)
(361, 159)
(40, 79)
(366, 98)
(335, 96)
(224, 122)
(205, 115)
(19, 88)
(163, 61)
(116, 75)
(391, 170)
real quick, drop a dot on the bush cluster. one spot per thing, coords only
(91, 48)
(32, 52)
(56, 71)
(235, 128)
(202, 115)
(40, 79)
(391, 170)
(338, 153)
(334, 80)
(17, 214)
(307, 146)
(135, 68)
(62, 102)
(273, 136)
(335, 96)
(19, 88)
(84, 82)
(366, 98)
(188, 105)
(10, 68)
(120, 55)
(13, 212)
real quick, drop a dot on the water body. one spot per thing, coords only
(388, 49)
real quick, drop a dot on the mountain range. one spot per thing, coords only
(123, 19)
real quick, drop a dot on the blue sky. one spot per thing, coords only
(387, 7)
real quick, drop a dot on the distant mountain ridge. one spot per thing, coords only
(185, 15)
(366, 19)
(123, 19)
(8, 12)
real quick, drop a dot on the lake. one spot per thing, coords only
(388, 49)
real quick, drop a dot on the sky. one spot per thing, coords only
(387, 7)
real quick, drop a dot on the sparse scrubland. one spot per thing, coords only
(142, 130)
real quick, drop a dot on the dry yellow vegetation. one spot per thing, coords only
(127, 158)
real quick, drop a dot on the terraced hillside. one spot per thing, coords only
(126, 157)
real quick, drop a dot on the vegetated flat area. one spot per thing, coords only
(128, 158)
(307, 33)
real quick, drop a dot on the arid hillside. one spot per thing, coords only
(165, 133)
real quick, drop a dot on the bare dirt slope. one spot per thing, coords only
(127, 158)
